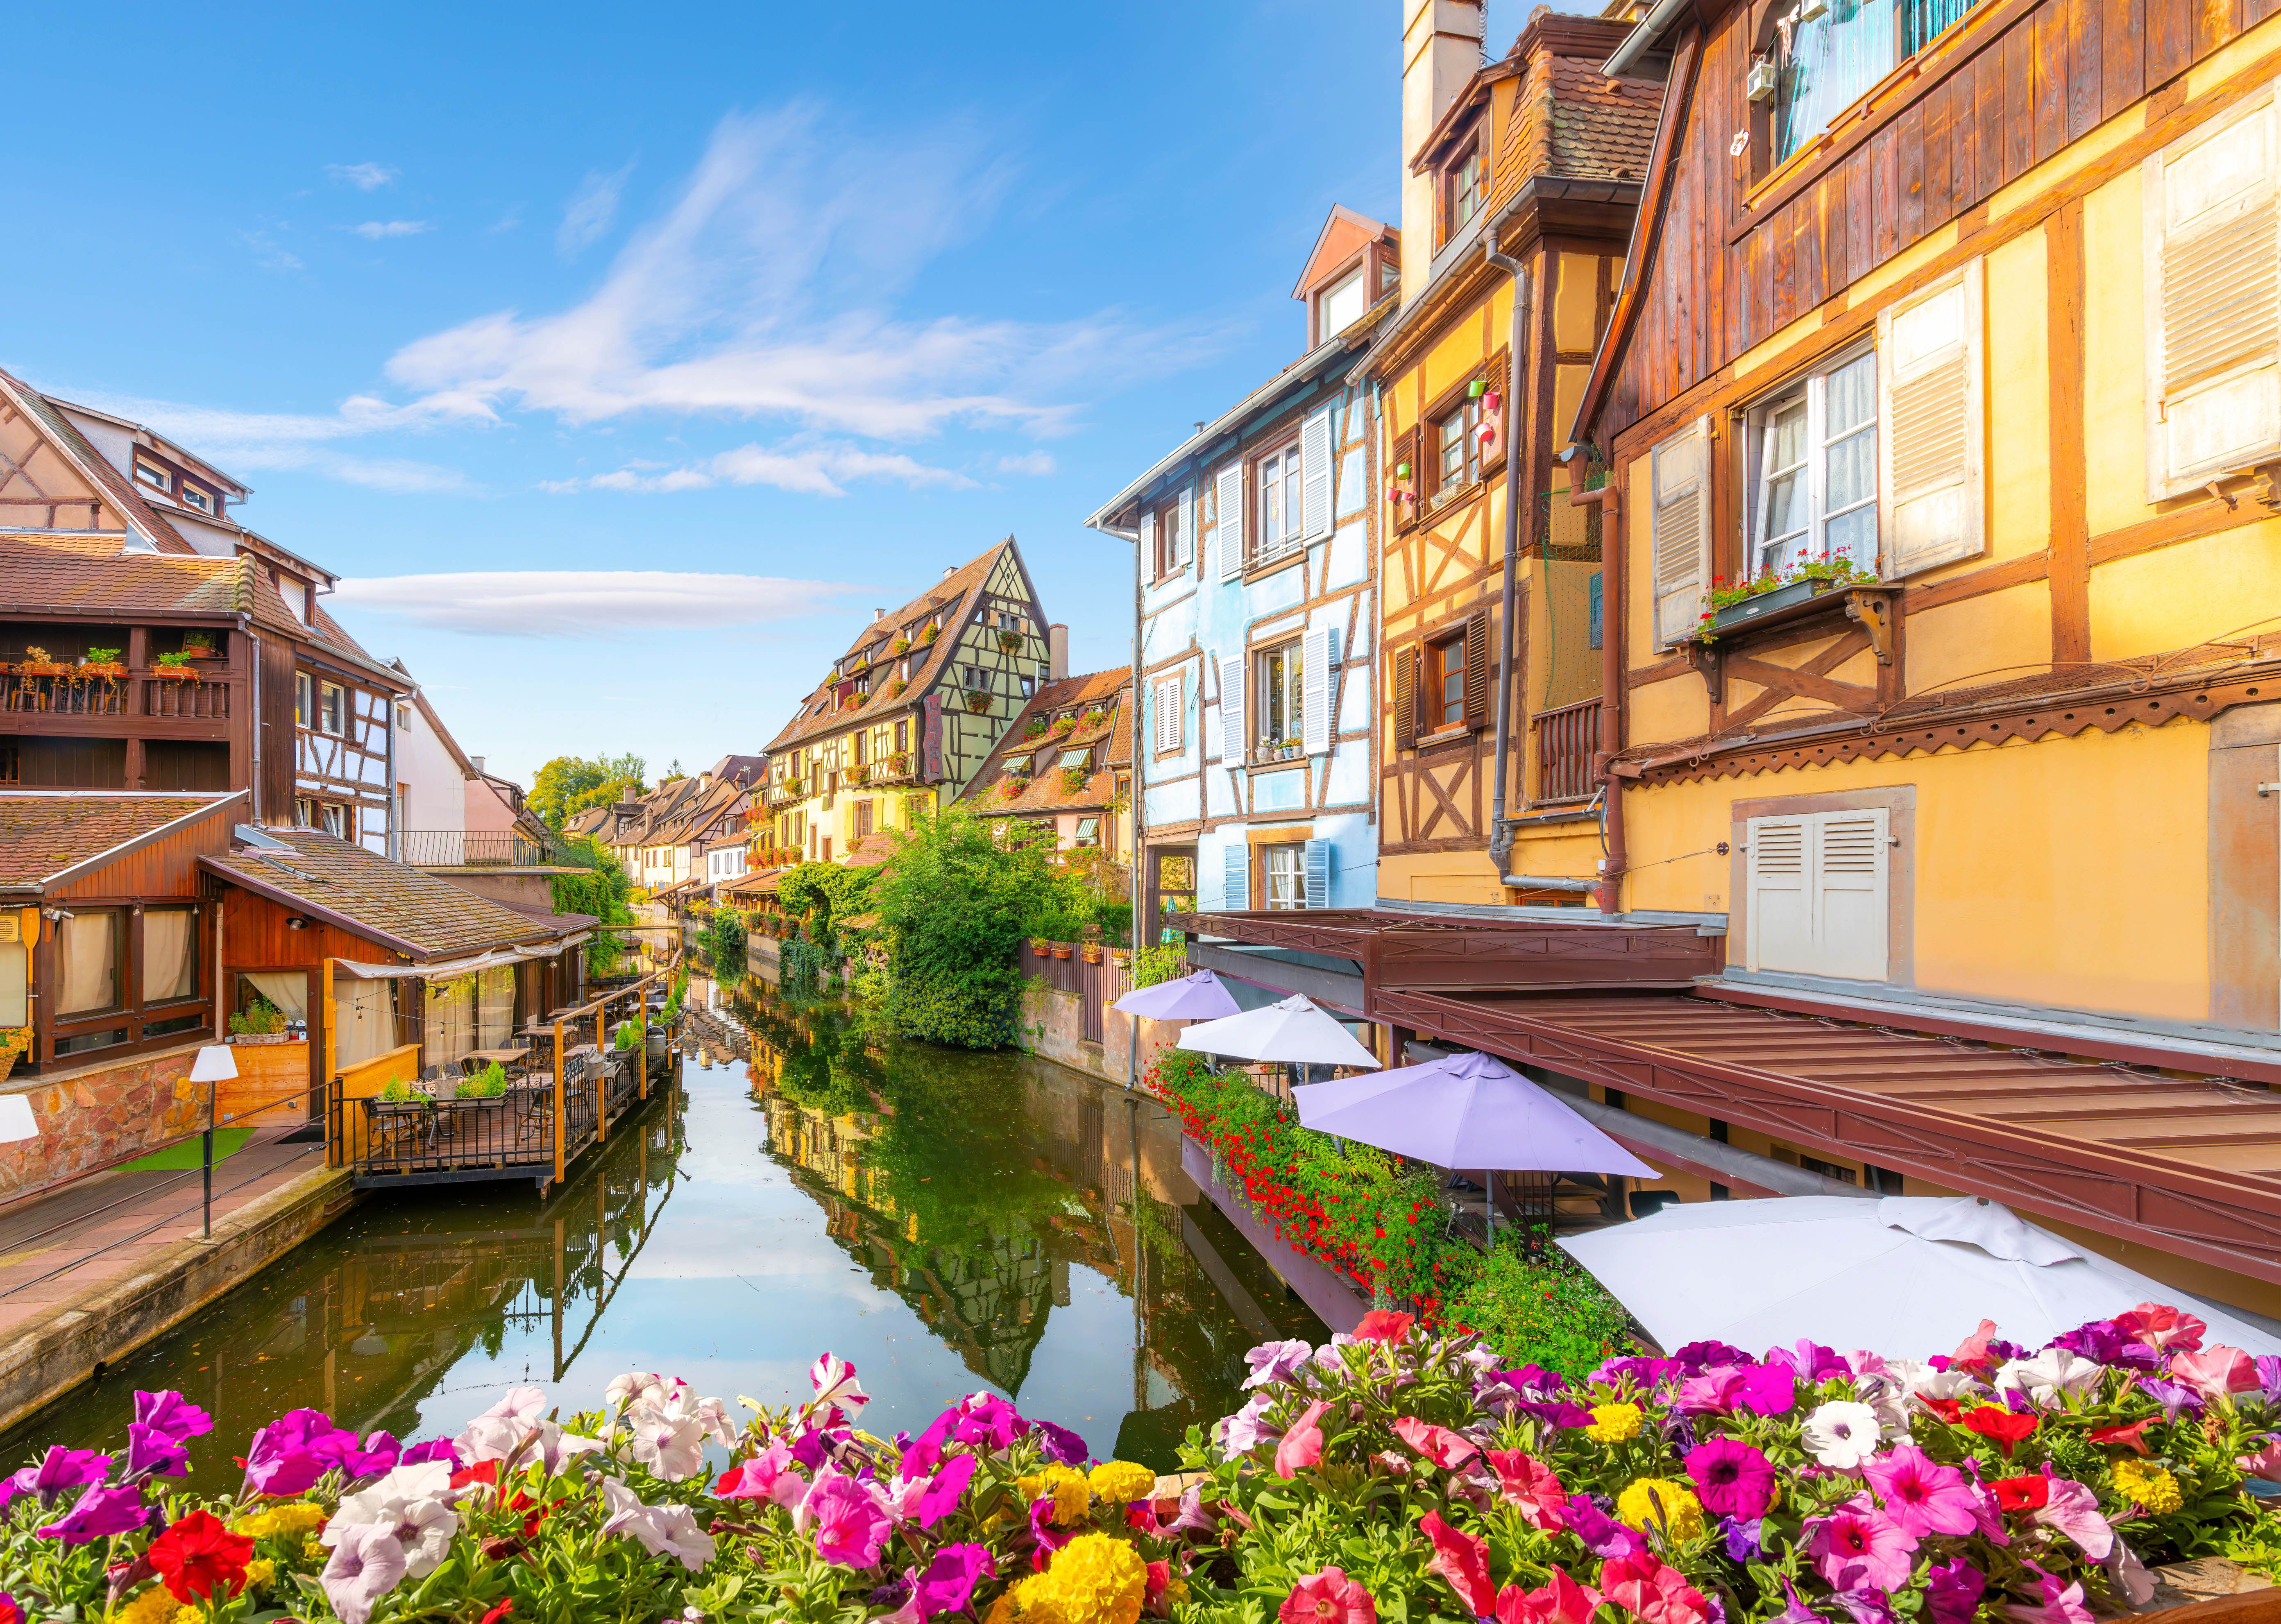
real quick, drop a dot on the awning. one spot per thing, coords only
(2188, 1166)
(449, 968)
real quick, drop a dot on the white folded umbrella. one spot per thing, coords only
(1906, 1275)
(1294, 1030)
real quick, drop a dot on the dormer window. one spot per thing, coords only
(151, 473)
(192, 497)
(1343, 302)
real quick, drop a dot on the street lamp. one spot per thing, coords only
(215, 1064)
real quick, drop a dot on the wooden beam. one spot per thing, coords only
(2070, 536)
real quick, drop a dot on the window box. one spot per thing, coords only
(1766, 603)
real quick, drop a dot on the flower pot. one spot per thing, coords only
(1093, 952)
(8, 1062)
(203, 653)
(110, 670)
(41, 668)
(1766, 603)
(978, 703)
(1061, 949)
(175, 673)
(1042, 947)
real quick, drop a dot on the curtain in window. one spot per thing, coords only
(364, 1019)
(288, 989)
(170, 960)
(1923, 22)
(495, 1024)
(15, 985)
(86, 951)
(450, 1030)
(1831, 63)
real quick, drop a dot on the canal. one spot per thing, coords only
(948, 1221)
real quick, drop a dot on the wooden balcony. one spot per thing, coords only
(1567, 740)
(68, 701)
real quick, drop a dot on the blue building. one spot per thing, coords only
(1254, 751)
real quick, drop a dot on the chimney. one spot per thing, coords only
(475, 761)
(1056, 651)
(950, 570)
(1441, 50)
(878, 615)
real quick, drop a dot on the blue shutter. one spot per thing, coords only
(1239, 875)
(1318, 859)
(1595, 593)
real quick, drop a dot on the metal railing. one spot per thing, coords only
(473, 848)
(1566, 741)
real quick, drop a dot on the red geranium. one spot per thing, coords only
(199, 1556)
(2022, 1494)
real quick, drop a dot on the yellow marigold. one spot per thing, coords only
(153, 1606)
(298, 1517)
(315, 1550)
(1095, 1580)
(260, 1572)
(191, 1613)
(2151, 1487)
(1653, 1500)
(1613, 1423)
(1072, 1494)
(1118, 1481)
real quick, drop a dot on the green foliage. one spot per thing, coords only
(396, 1091)
(174, 661)
(723, 940)
(604, 890)
(629, 1035)
(569, 785)
(1164, 962)
(488, 1084)
(1534, 1304)
(260, 1018)
(102, 656)
(956, 903)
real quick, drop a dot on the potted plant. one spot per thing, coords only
(1061, 727)
(1739, 602)
(1094, 719)
(977, 701)
(13, 1041)
(1036, 730)
(1043, 947)
(174, 666)
(38, 663)
(1010, 641)
(1092, 950)
(930, 633)
(259, 1021)
(900, 645)
(199, 646)
(1073, 780)
(102, 662)
(1061, 949)
(1012, 788)
(895, 688)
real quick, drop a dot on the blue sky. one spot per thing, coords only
(794, 307)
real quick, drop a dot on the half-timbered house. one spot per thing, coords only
(1065, 766)
(906, 716)
(1256, 554)
(1958, 324)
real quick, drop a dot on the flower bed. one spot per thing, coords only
(1378, 1221)
(1394, 1472)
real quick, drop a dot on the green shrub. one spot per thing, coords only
(955, 904)
(629, 1035)
(723, 942)
(1534, 1306)
(1164, 962)
(259, 1019)
(488, 1084)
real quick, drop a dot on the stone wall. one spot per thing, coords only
(1053, 1020)
(102, 1113)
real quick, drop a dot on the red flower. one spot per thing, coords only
(1383, 1325)
(2022, 1494)
(198, 1555)
(1464, 1560)
(499, 1611)
(2000, 1425)
(1949, 1410)
(482, 1472)
(2124, 1435)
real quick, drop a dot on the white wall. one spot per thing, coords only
(440, 794)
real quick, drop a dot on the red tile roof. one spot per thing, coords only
(45, 835)
(1111, 745)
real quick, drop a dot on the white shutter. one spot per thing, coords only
(1238, 858)
(1315, 690)
(2213, 301)
(1169, 698)
(1188, 537)
(1680, 472)
(1849, 879)
(1148, 570)
(1781, 893)
(1316, 857)
(1315, 461)
(1931, 450)
(1231, 711)
(1227, 528)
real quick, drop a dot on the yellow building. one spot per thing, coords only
(905, 717)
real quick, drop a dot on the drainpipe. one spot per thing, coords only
(1612, 676)
(1500, 828)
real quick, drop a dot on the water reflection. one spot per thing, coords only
(946, 1220)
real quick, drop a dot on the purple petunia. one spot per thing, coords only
(101, 1510)
(1811, 1360)
(1601, 1535)
(941, 1496)
(1768, 1389)
(435, 1448)
(1952, 1592)
(60, 1470)
(1732, 1478)
(153, 1453)
(948, 1583)
(1744, 1540)
(171, 1415)
(1700, 1356)
(1063, 1447)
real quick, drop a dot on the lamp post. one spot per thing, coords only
(215, 1065)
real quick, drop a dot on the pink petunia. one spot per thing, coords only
(1652, 1590)
(2216, 1371)
(1303, 1445)
(2053, 1604)
(850, 1527)
(1560, 1600)
(1383, 1325)
(1732, 1478)
(2073, 1510)
(1857, 1545)
(766, 1476)
(1715, 1392)
(1464, 1560)
(1437, 1444)
(1921, 1495)
(1327, 1598)
(2266, 1463)
(1530, 1488)
(2159, 1325)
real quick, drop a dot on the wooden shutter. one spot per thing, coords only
(1849, 869)
(1498, 374)
(2213, 301)
(1407, 447)
(1185, 545)
(1780, 880)
(1231, 711)
(1315, 728)
(1315, 859)
(1150, 564)
(930, 738)
(1931, 445)
(1239, 875)
(1171, 712)
(1478, 668)
(1315, 460)
(1405, 698)
(1680, 527)
(1228, 530)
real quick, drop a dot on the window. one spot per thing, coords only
(87, 961)
(197, 499)
(1341, 304)
(1281, 701)
(860, 756)
(1170, 708)
(976, 678)
(1458, 447)
(1445, 683)
(151, 473)
(334, 819)
(1168, 526)
(1077, 758)
(304, 710)
(1282, 876)
(902, 736)
(1029, 686)
(332, 708)
(1817, 455)
(863, 818)
(1817, 895)
(1461, 192)
(1281, 526)
(1088, 831)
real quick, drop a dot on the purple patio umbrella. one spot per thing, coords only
(1197, 997)
(1465, 1112)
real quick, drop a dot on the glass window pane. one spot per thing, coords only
(1832, 62)
(87, 955)
(15, 985)
(1852, 395)
(1854, 536)
(1852, 471)
(170, 963)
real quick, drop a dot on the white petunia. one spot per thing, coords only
(2051, 1373)
(662, 1530)
(1840, 1433)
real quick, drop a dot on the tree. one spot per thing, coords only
(569, 785)
(603, 890)
(956, 900)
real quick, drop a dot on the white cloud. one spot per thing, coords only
(373, 231)
(813, 468)
(541, 603)
(758, 294)
(255, 441)
(1037, 462)
(364, 177)
(267, 254)
(590, 212)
